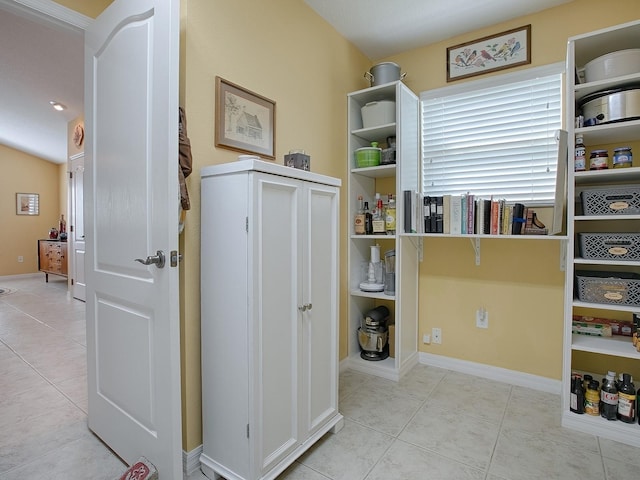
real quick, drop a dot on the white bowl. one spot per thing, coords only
(614, 64)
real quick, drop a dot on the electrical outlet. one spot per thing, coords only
(482, 318)
(20, 259)
(436, 334)
(426, 339)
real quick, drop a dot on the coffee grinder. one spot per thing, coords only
(373, 334)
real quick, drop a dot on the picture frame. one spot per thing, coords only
(244, 120)
(27, 204)
(489, 54)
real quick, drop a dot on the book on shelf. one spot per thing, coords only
(469, 214)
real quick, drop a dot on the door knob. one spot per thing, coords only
(157, 259)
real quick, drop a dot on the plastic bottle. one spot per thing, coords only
(627, 400)
(609, 398)
(580, 157)
(592, 399)
(577, 395)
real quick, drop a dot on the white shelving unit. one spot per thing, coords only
(580, 50)
(403, 175)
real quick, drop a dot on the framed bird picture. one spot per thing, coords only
(495, 52)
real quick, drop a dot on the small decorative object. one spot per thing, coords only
(495, 52)
(27, 204)
(298, 159)
(53, 233)
(245, 121)
(78, 135)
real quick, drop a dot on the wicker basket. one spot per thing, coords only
(614, 288)
(610, 246)
(618, 200)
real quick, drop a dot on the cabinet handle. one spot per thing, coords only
(305, 307)
(309, 306)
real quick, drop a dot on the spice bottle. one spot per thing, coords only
(580, 158)
(627, 400)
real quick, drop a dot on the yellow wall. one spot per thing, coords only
(518, 281)
(24, 173)
(91, 8)
(286, 53)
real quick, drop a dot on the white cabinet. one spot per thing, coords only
(384, 179)
(269, 316)
(600, 350)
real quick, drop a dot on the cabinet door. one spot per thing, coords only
(275, 294)
(319, 320)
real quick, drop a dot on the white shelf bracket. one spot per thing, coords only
(475, 243)
(563, 255)
(418, 243)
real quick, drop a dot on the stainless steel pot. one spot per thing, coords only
(614, 105)
(384, 72)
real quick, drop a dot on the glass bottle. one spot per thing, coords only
(627, 400)
(577, 395)
(378, 219)
(580, 158)
(368, 220)
(390, 216)
(359, 218)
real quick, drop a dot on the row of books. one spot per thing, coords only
(468, 214)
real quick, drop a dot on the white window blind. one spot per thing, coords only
(494, 138)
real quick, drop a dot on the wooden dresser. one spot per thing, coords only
(52, 257)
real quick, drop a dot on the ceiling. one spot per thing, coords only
(42, 59)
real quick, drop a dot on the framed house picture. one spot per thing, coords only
(27, 204)
(488, 54)
(245, 121)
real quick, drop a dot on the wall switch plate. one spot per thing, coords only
(436, 335)
(426, 339)
(20, 259)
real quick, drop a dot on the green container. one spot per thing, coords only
(368, 157)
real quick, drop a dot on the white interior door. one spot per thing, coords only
(131, 211)
(76, 227)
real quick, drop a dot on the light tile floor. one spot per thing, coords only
(433, 424)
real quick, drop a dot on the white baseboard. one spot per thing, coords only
(191, 461)
(499, 374)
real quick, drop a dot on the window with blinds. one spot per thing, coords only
(494, 137)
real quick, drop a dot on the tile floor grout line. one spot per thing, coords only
(495, 444)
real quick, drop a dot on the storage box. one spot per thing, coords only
(616, 288)
(378, 113)
(610, 246)
(612, 200)
(605, 327)
(298, 160)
